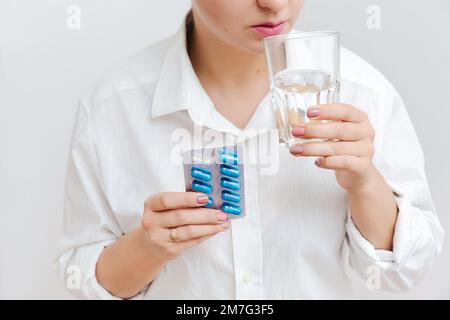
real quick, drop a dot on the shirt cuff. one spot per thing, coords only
(85, 258)
(402, 233)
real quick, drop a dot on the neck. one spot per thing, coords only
(221, 63)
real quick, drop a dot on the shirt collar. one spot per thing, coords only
(168, 97)
(179, 88)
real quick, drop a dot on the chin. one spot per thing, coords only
(254, 47)
(259, 49)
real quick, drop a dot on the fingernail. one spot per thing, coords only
(226, 225)
(318, 161)
(202, 199)
(296, 149)
(298, 131)
(313, 112)
(221, 216)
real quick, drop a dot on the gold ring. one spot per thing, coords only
(173, 234)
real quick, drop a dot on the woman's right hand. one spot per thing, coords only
(184, 213)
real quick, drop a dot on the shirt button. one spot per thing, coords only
(246, 278)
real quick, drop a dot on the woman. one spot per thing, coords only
(363, 204)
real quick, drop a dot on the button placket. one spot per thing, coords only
(247, 243)
(246, 278)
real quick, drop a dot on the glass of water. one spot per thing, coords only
(304, 71)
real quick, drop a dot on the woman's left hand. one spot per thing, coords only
(350, 156)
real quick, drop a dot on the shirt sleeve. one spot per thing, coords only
(89, 224)
(418, 235)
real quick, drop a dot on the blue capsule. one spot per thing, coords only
(228, 157)
(210, 202)
(228, 170)
(201, 173)
(231, 208)
(231, 196)
(201, 186)
(230, 183)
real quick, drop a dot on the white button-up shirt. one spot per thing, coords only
(297, 239)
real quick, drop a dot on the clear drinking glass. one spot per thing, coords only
(304, 71)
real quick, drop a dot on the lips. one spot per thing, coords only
(268, 29)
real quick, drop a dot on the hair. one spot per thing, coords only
(189, 21)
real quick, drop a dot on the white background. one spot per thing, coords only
(45, 68)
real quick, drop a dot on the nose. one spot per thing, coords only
(273, 5)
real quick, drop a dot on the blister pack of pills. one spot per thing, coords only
(219, 173)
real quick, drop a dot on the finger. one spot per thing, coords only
(336, 112)
(189, 243)
(360, 148)
(175, 200)
(190, 232)
(348, 163)
(181, 217)
(161, 235)
(346, 131)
